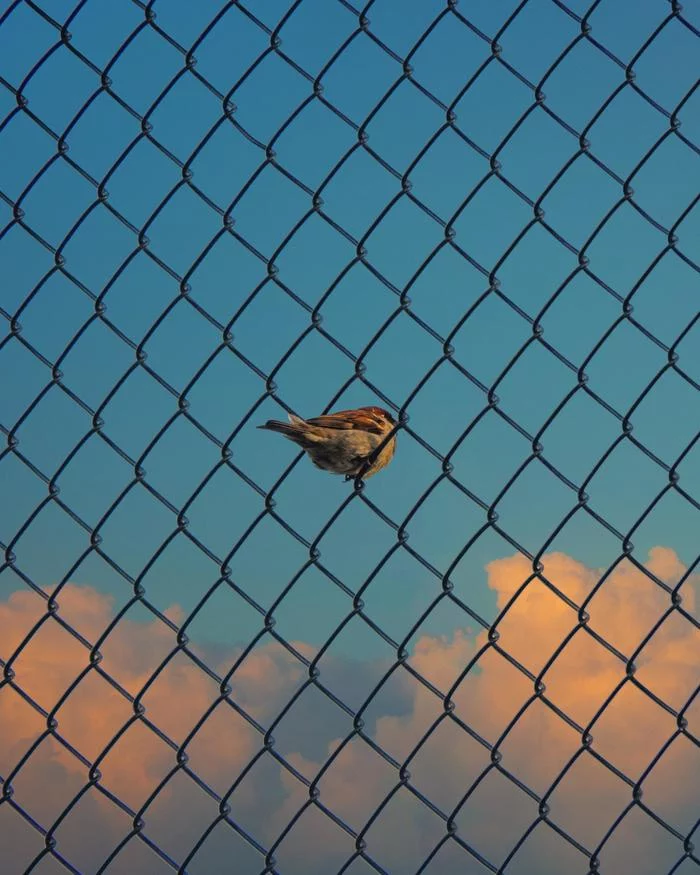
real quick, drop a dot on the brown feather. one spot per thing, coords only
(348, 419)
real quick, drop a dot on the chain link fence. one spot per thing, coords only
(482, 216)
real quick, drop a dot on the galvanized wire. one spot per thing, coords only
(226, 213)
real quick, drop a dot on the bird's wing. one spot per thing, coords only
(348, 419)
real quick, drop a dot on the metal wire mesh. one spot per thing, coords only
(216, 812)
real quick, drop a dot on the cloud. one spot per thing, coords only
(445, 761)
(445, 739)
(94, 714)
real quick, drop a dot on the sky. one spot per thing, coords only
(482, 216)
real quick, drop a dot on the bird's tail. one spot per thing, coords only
(296, 430)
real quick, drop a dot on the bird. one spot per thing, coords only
(343, 442)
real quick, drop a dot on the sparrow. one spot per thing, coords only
(343, 442)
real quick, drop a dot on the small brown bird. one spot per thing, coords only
(343, 442)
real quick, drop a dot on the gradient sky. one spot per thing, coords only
(249, 297)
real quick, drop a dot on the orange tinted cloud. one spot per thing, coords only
(540, 746)
(445, 760)
(94, 714)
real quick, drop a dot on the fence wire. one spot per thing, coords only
(262, 856)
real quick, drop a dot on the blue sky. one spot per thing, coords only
(326, 221)
(407, 253)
